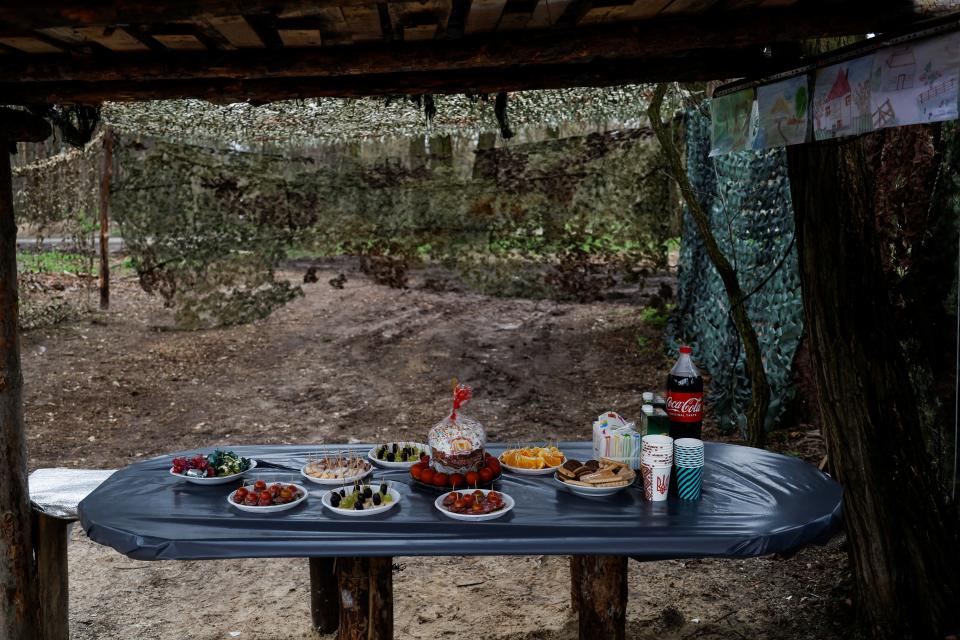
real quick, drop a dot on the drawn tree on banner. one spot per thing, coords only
(747, 195)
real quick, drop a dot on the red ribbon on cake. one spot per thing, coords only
(461, 393)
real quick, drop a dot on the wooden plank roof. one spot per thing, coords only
(263, 50)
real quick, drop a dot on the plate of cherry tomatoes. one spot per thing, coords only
(426, 476)
(474, 506)
(260, 497)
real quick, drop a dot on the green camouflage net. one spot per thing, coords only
(747, 196)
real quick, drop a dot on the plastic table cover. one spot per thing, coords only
(753, 503)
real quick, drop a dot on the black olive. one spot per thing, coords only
(394, 447)
(376, 499)
(383, 488)
(335, 500)
(367, 492)
(359, 505)
(391, 457)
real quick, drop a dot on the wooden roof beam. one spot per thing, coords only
(651, 39)
(702, 65)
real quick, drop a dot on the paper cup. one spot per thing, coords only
(689, 482)
(656, 481)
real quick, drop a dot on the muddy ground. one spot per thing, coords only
(368, 362)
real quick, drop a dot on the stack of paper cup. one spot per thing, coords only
(656, 461)
(688, 457)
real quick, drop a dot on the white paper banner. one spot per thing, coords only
(841, 99)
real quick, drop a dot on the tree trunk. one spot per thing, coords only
(105, 177)
(19, 604)
(759, 386)
(366, 598)
(902, 550)
(51, 552)
(603, 597)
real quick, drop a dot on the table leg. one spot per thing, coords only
(575, 583)
(50, 547)
(602, 597)
(324, 595)
(366, 598)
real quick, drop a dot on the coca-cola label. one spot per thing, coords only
(685, 407)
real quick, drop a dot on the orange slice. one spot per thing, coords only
(551, 458)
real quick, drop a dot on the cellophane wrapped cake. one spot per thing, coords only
(457, 441)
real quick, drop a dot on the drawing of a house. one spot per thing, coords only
(838, 105)
(899, 69)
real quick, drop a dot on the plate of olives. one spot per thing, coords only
(361, 499)
(398, 455)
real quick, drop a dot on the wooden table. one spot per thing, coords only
(753, 503)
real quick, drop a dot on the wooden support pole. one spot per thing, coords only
(105, 177)
(603, 597)
(19, 602)
(50, 548)
(575, 583)
(324, 595)
(366, 598)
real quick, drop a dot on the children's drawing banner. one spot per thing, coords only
(841, 99)
(783, 112)
(731, 117)
(916, 82)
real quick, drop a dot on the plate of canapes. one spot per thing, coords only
(474, 506)
(594, 478)
(398, 455)
(260, 497)
(361, 499)
(532, 461)
(336, 469)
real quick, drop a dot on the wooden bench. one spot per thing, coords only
(54, 495)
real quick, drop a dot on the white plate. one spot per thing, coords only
(335, 482)
(589, 492)
(531, 472)
(508, 504)
(272, 508)
(366, 512)
(397, 465)
(215, 479)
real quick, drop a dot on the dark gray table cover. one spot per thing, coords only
(754, 503)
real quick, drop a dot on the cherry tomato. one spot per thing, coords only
(486, 475)
(259, 485)
(416, 470)
(494, 465)
(473, 478)
(426, 476)
(241, 493)
(457, 480)
(440, 479)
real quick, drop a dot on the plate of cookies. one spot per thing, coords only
(594, 478)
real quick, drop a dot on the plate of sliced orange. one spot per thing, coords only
(532, 461)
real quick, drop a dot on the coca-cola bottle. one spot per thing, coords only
(685, 397)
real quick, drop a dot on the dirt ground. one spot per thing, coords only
(366, 363)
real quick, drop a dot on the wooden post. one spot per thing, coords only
(324, 595)
(603, 597)
(366, 598)
(51, 552)
(575, 583)
(105, 177)
(19, 603)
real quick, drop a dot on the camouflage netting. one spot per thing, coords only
(747, 196)
(211, 198)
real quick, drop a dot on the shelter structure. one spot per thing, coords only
(265, 50)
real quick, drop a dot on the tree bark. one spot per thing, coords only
(105, 177)
(366, 598)
(759, 387)
(902, 548)
(603, 597)
(324, 595)
(19, 604)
